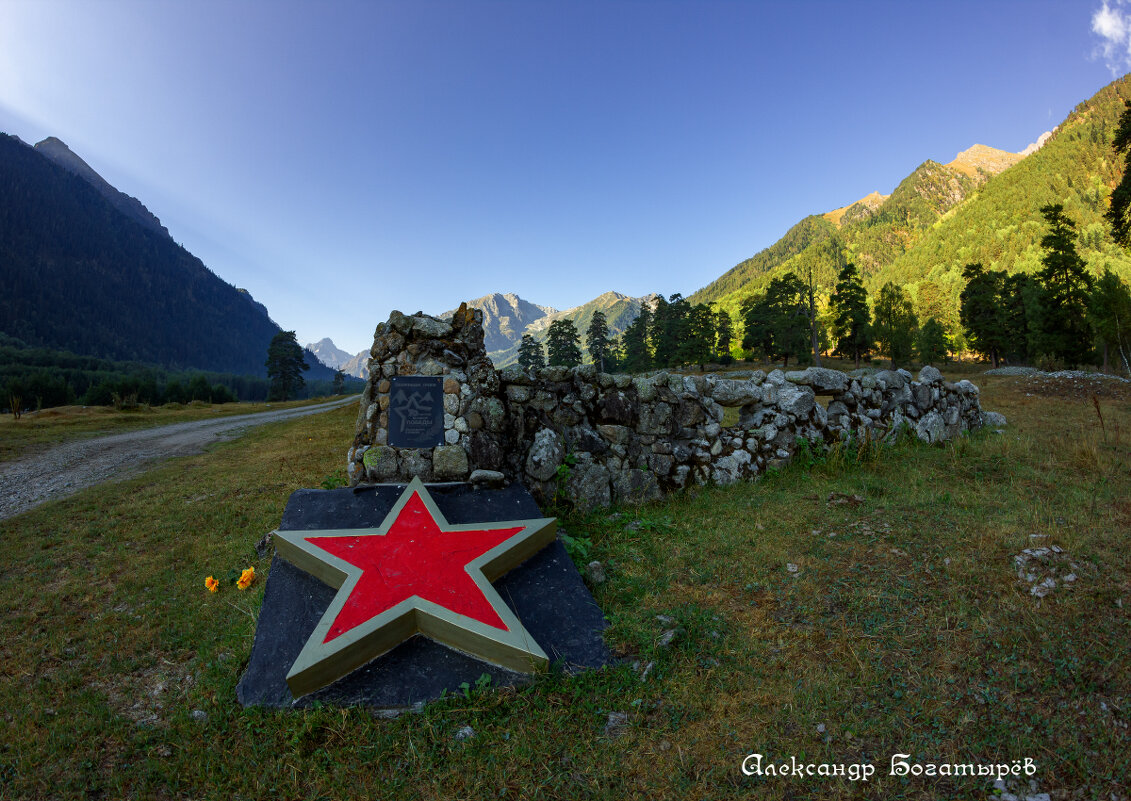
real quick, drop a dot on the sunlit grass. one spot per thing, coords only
(903, 630)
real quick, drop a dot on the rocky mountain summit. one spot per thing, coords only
(506, 318)
(328, 353)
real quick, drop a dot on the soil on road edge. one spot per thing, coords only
(74, 466)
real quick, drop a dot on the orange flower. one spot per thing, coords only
(247, 578)
(212, 584)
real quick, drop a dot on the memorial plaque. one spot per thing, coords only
(416, 411)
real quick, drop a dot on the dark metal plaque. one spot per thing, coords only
(416, 411)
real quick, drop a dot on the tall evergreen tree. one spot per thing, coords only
(1067, 286)
(1119, 213)
(637, 357)
(339, 382)
(697, 336)
(597, 340)
(284, 366)
(725, 328)
(930, 343)
(667, 325)
(757, 327)
(531, 353)
(981, 311)
(563, 344)
(1109, 312)
(852, 322)
(786, 297)
(895, 324)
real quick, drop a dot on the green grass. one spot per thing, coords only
(43, 429)
(907, 632)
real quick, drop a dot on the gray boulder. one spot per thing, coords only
(993, 419)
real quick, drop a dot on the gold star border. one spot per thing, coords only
(321, 663)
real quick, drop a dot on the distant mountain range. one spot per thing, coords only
(506, 318)
(88, 269)
(983, 206)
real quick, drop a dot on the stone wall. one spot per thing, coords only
(596, 439)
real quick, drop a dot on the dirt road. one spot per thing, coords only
(73, 466)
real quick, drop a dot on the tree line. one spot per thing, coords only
(39, 378)
(1060, 316)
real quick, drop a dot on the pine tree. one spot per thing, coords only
(725, 328)
(637, 357)
(757, 327)
(563, 344)
(531, 353)
(284, 366)
(931, 344)
(1119, 214)
(696, 336)
(667, 322)
(852, 322)
(981, 311)
(339, 382)
(786, 299)
(1109, 312)
(895, 324)
(597, 340)
(1067, 286)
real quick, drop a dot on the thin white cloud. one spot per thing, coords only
(1113, 25)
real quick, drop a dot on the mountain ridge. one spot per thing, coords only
(57, 151)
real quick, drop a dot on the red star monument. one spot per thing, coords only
(415, 573)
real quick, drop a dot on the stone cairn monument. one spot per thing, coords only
(435, 408)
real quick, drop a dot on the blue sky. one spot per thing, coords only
(342, 159)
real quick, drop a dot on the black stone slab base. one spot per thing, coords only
(545, 592)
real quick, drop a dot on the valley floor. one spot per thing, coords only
(967, 603)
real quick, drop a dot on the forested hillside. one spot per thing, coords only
(942, 217)
(81, 276)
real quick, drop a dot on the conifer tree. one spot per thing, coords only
(1119, 214)
(757, 327)
(786, 297)
(724, 327)
(563, 344)
(637, 357)
(1109, 312)
(852, 322)
(895, 324)
(696, 336)
(284, 366)
(667, 322)
(930, 343)
(531, 353)
(1067, 286)
(981, 312)
(597, 340)
(339, 382)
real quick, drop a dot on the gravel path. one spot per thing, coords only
(70, 467)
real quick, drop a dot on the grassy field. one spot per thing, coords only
(847, 609)
(36, 430)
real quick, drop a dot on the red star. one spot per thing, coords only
(415, 573)
(415, 558)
